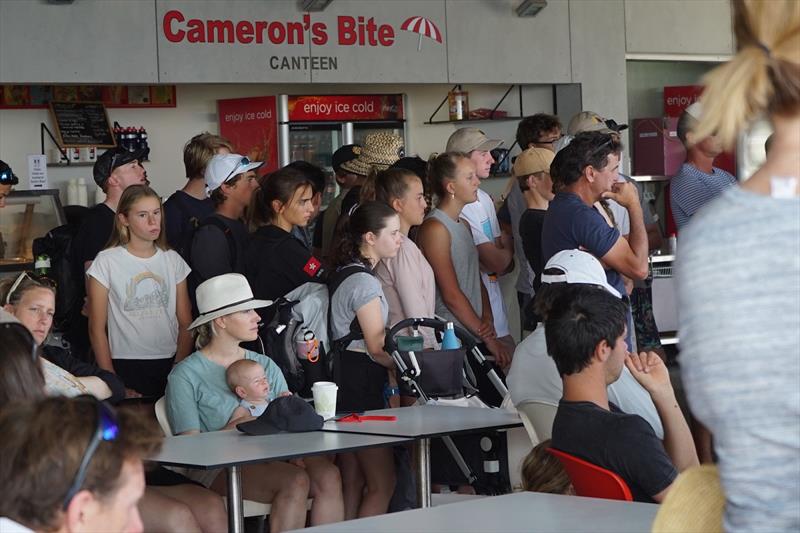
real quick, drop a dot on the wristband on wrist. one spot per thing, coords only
(388, 391)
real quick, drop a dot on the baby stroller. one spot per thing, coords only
(445, 377)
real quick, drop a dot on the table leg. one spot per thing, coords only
(423, 458)
(235, 506)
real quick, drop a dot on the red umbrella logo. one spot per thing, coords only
(424, 27)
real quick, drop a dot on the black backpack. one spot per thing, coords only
(57, 245)
(185, 251)
(278, 337)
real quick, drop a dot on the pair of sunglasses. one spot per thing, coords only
(46, 282)
(243, 163)
(106, 429)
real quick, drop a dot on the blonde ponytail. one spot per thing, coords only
(203, 335)
(764, 76)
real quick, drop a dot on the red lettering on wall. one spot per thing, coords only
(277, 33)
(196, 31)
(386, 35)
(244, 32)
(351, 31)
(169, 17)
(319, 32)
(296, 33)
(347, 34)
(261, 27)
(220, 31)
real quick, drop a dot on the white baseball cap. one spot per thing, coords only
(223, 167)
(578, 267)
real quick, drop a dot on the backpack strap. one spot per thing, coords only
(214, 221)
(334, 281)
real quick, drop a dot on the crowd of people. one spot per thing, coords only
(172, 295)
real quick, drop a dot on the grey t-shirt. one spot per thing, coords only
(355, 291)
(738, 278)
(464, 256)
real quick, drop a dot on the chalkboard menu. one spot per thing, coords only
(82, 124)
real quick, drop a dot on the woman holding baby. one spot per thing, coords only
(200, 399)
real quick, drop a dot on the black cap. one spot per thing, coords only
(346, 153)
(113, 158)
(7, 176)
(415, 164)
(286, 413)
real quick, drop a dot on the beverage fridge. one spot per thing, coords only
(312, 127)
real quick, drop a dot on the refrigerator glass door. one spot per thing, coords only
(314, 143)
(362, 129)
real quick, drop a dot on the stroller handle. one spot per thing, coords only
(390, 344)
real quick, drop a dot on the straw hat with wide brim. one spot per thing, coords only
(695, 502)
(380, 150)
(224, 295)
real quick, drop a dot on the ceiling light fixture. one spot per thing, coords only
(315, 5)
(530, 8)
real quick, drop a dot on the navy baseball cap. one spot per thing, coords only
(284, 414)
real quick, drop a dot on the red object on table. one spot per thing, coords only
(368, 418)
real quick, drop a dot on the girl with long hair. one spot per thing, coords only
(738, 277)
(199, 400)
(372, 233)
(276, 262)
(407, 278)
(138, 301)
(446, 242)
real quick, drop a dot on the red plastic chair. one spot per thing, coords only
(591, 480)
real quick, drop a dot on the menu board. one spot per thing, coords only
(82, 124)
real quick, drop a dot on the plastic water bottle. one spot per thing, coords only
(72, 192)
(143, 139)
(83, 193)
(42, 265)
(449, 340)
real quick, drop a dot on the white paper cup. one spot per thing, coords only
(325, 398)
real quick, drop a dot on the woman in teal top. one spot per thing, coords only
(198, 400)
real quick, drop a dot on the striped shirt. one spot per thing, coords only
(691, 189)
(738, 277)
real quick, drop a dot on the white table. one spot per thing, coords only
(231, 450)
(527, 512)
(421, 423)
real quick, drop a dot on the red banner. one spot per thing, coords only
(251, 126)
(676, 99)
(345, 107)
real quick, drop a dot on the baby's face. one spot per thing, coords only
(255, 384)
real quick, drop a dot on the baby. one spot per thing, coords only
(248, 381)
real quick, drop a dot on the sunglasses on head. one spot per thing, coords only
(45, 282)
(597, 150)
(242, 163)
(106, 429)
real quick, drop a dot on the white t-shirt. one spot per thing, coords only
(9, 526)
(482, 220)
(142, 319)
